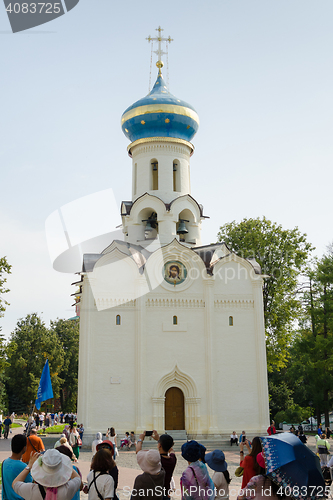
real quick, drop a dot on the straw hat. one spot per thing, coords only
(149, 461)
(52, 469)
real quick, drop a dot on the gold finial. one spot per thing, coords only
(160, 65)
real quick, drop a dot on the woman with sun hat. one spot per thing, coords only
(54, 478)
(221, 478)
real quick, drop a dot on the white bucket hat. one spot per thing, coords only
(149, 461)
(52, 469)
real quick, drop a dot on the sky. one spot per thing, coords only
(258, 72)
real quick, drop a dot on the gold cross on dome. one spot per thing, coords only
(159, 51)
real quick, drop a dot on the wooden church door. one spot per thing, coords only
(174, 409)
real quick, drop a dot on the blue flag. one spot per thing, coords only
(45, 387)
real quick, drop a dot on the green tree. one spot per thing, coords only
(68, 333)
(311, 364)
(5, 269)
(282, 255)
(29, 346)
(280, 394)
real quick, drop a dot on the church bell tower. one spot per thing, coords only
(160, 127)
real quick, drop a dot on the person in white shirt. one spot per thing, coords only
(233, 438)
(49, 471)
(100, 483)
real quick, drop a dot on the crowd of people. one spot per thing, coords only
(30, 472)
(43, 419)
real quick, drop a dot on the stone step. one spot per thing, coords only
(210, 444)
(177, 435)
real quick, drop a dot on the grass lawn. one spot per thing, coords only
(15, 425)
(55, 429)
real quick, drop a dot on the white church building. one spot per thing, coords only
(171, 331)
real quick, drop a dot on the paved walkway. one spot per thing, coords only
(129, 469)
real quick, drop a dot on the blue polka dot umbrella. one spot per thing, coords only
(293, 466)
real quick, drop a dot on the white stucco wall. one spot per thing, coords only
(220, 368)
(165, 153)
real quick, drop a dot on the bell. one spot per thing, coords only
(148, 227)
(182, 228)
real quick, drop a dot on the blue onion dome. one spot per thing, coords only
(160, 114)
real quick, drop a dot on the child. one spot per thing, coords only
(126, 441)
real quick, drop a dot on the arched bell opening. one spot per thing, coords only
(185, 228)
(148, 218)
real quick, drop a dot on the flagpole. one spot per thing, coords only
(32, 411)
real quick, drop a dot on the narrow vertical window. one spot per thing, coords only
(176, 175)
(118, 319)
(175, 320)
(154, 167)
(135, 173)
(231, 321)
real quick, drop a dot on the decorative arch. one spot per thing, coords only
(195, 266)
(176, 378)
(113, 280)
(184, 381)
(233, 272)
(155, 204)
(185, 202)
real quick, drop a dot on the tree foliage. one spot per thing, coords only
(67, 332)
(282, 255)
(29, 346)
(5, 269)
(311, 364)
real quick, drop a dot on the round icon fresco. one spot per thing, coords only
(174, 272)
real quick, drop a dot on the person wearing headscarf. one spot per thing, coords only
(95, 442)
(54, 478)
(195, 482)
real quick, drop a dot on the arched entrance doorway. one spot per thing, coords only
(174, 409)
